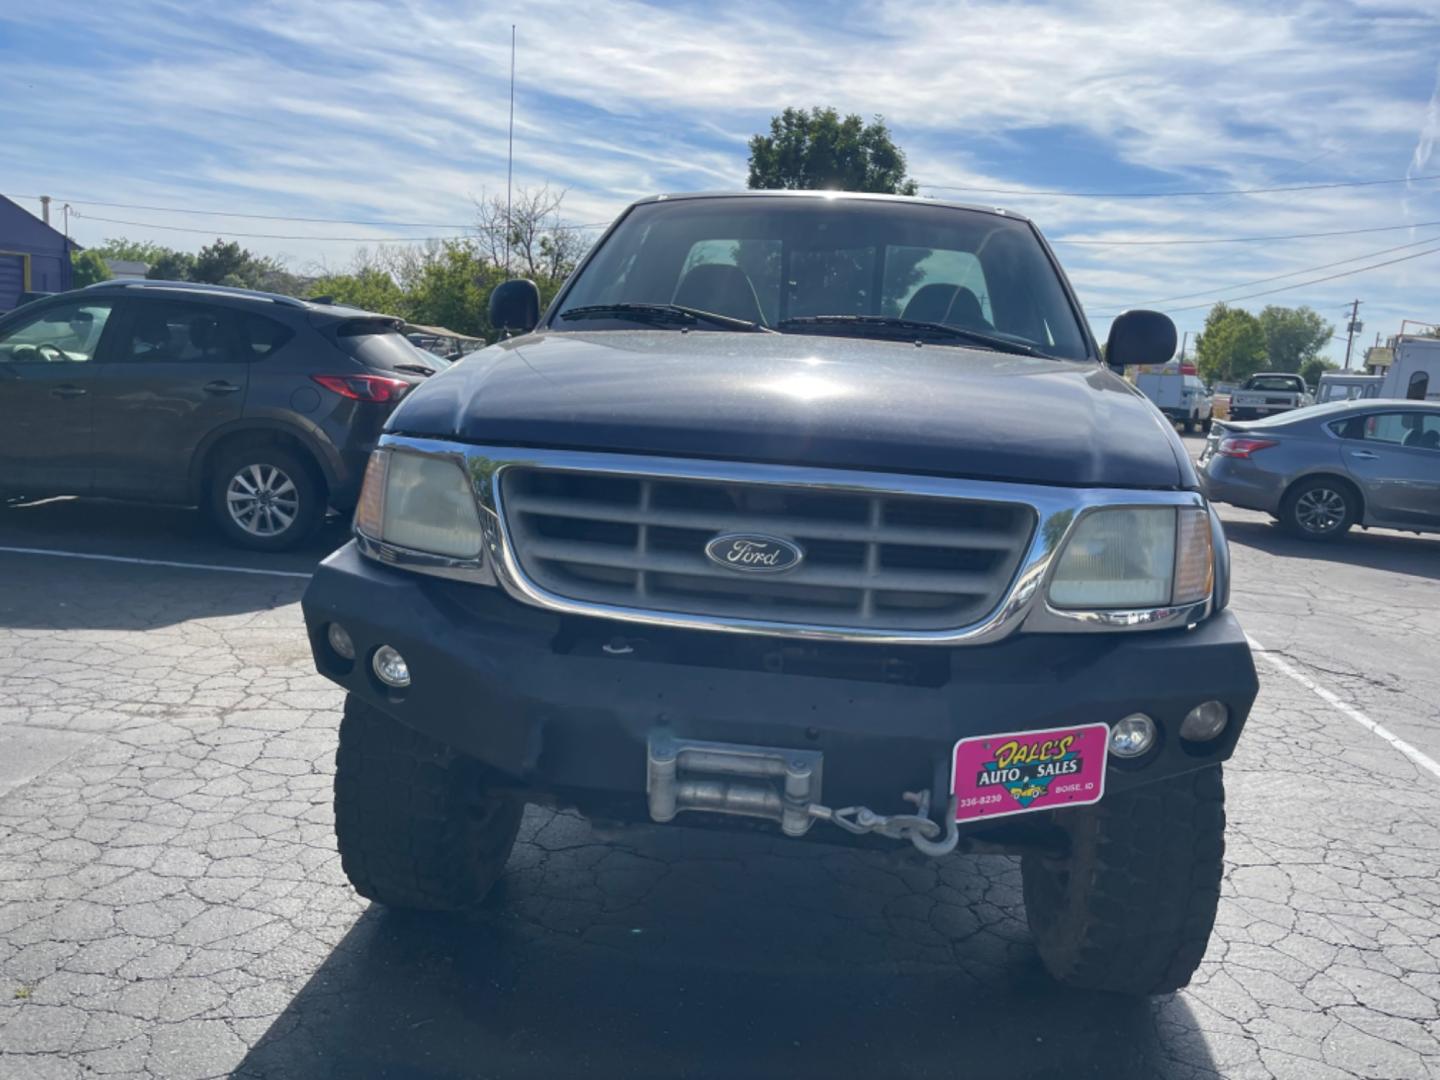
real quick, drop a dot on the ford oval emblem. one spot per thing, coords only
(754, 553)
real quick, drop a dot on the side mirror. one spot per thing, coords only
(1139, 337)
(515, 306)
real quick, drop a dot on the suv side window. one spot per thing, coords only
(173, 331)
(61, 333)
(1413, 430)
(260, 336)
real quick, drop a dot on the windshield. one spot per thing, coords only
(1275, 382)
(778, 262)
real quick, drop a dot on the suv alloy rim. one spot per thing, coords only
(1320, 510)
(262, 500)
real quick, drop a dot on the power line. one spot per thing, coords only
(284, 217)
(262, 217)
(1241, 239)
(1293, 273)
(1183, 194)
(210, 230)
(1298, 284)
(263, 236)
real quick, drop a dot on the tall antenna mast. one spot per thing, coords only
(510, 157)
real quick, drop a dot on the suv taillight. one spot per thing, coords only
(1238, 447)
(364, 387)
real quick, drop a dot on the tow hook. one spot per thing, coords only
(779, 785)
(919, 828)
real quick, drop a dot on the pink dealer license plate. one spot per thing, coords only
(999, 775)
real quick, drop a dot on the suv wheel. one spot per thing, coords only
(415, 825)
(1318, 509)
(265, 497)
(1130, 908)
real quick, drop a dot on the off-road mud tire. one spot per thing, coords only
(1129, 910)
(415, 825)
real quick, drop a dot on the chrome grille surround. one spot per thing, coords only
(1051, 513)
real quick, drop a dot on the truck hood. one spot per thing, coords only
(825, 401)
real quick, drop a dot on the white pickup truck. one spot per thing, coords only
(1269, 393)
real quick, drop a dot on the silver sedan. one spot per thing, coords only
(1323, 469)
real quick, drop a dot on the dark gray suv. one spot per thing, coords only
(260, 407)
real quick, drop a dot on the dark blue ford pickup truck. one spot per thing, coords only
(808, 512)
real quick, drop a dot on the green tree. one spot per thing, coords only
(817, 149)
(367, 287)
(1231, 347)
(133, 250)
(88, 267)
(172, 266)
(1313, 368)
(449, 286)
(1293, 336)
(220, 261)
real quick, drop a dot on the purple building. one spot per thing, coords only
(33, 256)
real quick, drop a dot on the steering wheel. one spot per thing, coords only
(60, 354)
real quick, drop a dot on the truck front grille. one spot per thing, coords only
(878, 562)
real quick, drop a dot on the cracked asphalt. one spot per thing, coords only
(171, 904)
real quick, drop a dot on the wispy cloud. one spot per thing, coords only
(398, 111)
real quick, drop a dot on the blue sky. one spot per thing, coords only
(396, 112)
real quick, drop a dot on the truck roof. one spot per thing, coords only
(867, 196)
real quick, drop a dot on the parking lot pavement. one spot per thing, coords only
(171, 904)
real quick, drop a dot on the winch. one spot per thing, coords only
(777, 785)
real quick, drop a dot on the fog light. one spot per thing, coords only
(1205, 721)
(390, 667)
(1132, 736)
(340, 641)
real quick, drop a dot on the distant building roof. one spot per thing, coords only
(127, 268)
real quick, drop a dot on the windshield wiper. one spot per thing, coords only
(896, 327)
(663, 313)
(418, 369)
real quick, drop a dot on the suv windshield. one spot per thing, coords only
(787, 262)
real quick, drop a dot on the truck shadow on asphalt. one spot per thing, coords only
(1396, 553)
(702, 967)
(138, 530)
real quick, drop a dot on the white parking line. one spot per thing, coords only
(153, 562)
(1334, 700)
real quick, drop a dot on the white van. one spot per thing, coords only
(1347, 386)
(1178, 393)
(1415, 374)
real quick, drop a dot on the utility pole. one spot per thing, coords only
(510, 155)
(1183, 341)
(1355, 327)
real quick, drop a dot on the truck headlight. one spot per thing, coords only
(421, 503)
(1135, 557)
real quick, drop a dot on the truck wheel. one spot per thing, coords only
(1130, 908)
(265, 497)
(1189, 425)
(1320, 508)
(414, 823)
(1208, 424)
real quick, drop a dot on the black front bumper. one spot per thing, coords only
(538, 698)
